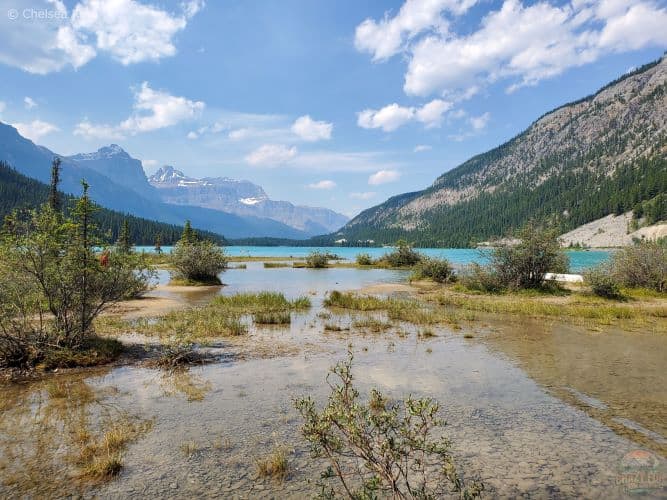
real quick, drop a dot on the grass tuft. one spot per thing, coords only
(275, 465)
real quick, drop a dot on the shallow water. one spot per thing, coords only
(534, 408)
(579, 259)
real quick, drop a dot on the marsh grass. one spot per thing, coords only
(275, 465)
(576, 306)
(273, 265)
(372, 324)
(273, 318)
(333, 327)
(178, 356)
(101, 459)
(189, 448)
(261, 302)
(94, 352)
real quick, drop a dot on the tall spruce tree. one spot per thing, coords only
(124, 243)
(54, 195)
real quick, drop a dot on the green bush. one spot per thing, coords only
(481, 278)
(198, 262)
(603, 283)
(364, 259)
(438, 270)
(317, 260)
(643, 265)
(403, 256)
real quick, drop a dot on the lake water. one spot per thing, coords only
(535, 408)
(579, 260)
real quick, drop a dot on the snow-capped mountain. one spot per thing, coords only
(242, 198)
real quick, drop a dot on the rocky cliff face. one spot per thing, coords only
(242, 198)
(591, 140)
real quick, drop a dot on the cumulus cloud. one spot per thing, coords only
(388, 36)
(419, 148)
(325, 184)
(35, 129)
(394, 116)
(271, 155)
(152, 110)
(310, 130)
(480, 122)
(384, 177)
(127, 30)
(366, 195)
(29, 102)
(521, 43)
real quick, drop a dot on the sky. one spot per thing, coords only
(334, 103)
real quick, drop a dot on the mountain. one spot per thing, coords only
(111, 190)
(116, 164)
(241, 198)
(604, 154)
(19, 192)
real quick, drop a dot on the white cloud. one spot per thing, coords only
(271, 155)
(394, 116)
(310, 130)
(127, 30)
(518, 43)
(36, 129)
(383, 177)
(29, 102)
(419, 148)
(366, 195)
(192, 135)
(325, 184)
(239, 134)
(385, 38)
(2, 106)
(89, 130)
(152, 110)
(480, 122)
(149, 163)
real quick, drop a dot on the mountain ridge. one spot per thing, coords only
(580, 161)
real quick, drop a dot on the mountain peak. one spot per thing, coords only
(167, 175)
(105, 152)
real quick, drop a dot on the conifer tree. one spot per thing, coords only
(124, 243)
(54, 195)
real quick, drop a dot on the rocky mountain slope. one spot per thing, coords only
(600, 155)
(243, 198)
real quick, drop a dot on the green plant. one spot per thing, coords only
(317, 260)
(379, 448)
(196, 261)
(273, 318)
(643, 265)
(481, 278)
(364, 259)
(438, 270)
(603, 283)
(402, 256)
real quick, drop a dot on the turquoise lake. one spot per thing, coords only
(579, 260)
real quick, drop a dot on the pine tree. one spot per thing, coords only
(54, 195)
(124, 243)
(158, 243)
(189, 236)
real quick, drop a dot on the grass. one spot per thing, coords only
(101, 459)
(273, 265)
(176, 356)
(189, 448)
(372, 324)
(261, 302)
(95, 351)
(273, 318)
(214, 281)
(333, 327)
(275, 465)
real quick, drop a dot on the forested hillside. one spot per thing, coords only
(19, 191)
(604, 154)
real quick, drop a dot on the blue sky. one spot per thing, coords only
(322, 102)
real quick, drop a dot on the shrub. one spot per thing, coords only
(402, 256)
(198, 262)
(364, 259)
(385, 449)
(526, 263)
(643, 265)
(481, 278)
(317, 260)
(603, 283)
(439, 270)
(54, 284)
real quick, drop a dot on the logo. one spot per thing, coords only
(641, 472)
